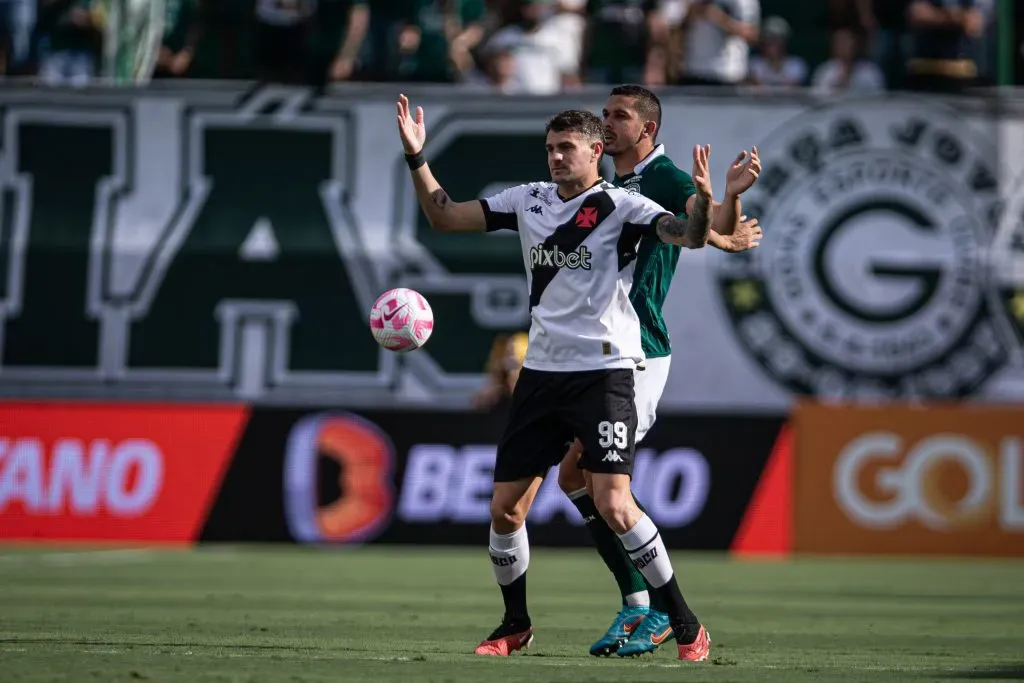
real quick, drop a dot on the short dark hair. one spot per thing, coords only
(646, 103)
(577, 121)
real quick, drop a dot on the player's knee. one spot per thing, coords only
(617, 508)
(507, 514)
(570, 476)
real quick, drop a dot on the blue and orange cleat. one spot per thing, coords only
(626, 621)
(505, 640)
(648, 636)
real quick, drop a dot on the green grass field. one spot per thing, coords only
(300, 614)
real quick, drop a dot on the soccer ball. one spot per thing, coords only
(401, 320)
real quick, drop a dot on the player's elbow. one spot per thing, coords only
(441, 224)
(694, 240)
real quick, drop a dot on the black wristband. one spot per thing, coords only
(415, 160)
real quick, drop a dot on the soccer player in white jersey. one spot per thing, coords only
(579, 237)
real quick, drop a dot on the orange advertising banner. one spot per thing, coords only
(909, 480)
(117, 472)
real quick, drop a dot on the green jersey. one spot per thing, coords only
(658, 179)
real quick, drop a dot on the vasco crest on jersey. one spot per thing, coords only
(874, 282)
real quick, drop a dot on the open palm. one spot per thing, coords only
(412, 131)
(743, 173)
(701, 174)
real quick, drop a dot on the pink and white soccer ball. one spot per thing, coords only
(401, 320)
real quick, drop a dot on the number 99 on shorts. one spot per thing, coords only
(613, 434)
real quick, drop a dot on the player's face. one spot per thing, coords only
(623, 127)
(571, 157)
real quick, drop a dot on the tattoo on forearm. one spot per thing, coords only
(672, 229)
(440, 198)
(699, 225)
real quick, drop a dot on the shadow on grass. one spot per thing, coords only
(1008, 672)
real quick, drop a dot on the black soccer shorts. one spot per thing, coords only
(550, 409)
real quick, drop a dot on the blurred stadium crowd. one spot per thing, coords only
(529, 46)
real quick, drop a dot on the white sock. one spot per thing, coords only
(644, 545)
(510, 555)
(638, 599)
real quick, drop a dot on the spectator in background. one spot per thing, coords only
(497, 70)
(22, 36)
(6, 10)
(71, 38)
(423, 34)
(718, 37)
(570, 22)
(283, 31)
(340, 30)
(774, 67)
(946, 37)
(543, 62)
(466, 28)
(181, 39)
(886, 22)
(845, 14)
(672, 14)
(625, 42)
(673, 11)
(847, 70)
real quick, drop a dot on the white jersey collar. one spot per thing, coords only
(658, 151)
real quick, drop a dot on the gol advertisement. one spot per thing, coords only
(906, 480)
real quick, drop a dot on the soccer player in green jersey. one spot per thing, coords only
(632, 117)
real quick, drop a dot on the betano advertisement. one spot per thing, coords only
(112, 472)
(231, 473)
(897, 479)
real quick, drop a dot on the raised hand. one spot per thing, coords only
(743, 173)
(412, 131)
(701, 175)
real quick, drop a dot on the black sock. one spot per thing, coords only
(682, 619)
(628, 577)
(514, 595)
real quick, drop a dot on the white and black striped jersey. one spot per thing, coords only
(579, 255)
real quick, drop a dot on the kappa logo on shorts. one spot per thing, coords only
(612, 456)
(873, 280)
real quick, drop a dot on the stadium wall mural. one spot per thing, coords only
(226, 245)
